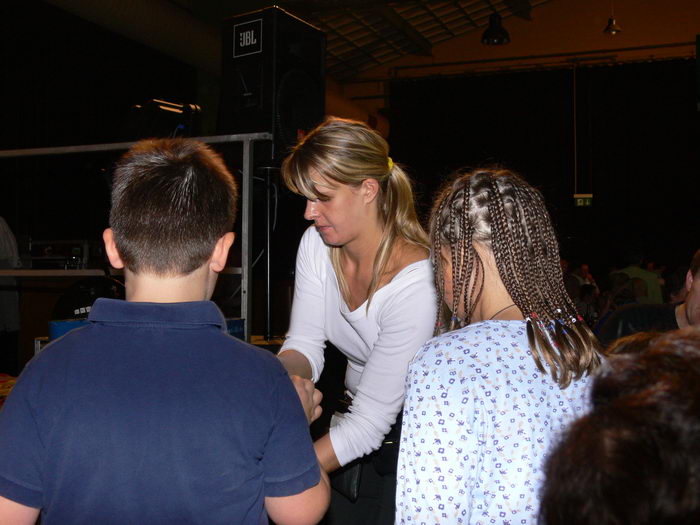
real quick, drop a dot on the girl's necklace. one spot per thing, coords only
(502, 310)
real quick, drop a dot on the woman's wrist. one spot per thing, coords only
(326, 454)
(295, 363)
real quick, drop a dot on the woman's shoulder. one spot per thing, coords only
(412, 290)
(410, 253)
(406, 254)
(411, 262)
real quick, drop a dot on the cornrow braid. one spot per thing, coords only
(498, 209)
(502, 232)
(474, 266)
(438, 271)
(462, 266)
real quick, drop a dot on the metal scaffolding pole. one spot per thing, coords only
(248, 140)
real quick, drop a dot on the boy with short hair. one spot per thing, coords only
(152, 414)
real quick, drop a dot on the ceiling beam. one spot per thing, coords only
(421, 45)
(329, 6)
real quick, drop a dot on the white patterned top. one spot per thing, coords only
(478, 421)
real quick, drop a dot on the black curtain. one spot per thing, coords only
(67, 81)
(636, 134)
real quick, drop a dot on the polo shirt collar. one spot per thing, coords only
(180, 314)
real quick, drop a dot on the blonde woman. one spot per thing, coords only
(363, 282)
(508, 370)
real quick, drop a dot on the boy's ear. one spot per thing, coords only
(111, 248)
(220, 253)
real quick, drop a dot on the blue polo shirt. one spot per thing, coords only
(152, 414)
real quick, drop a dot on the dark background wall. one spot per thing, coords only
(67, 81)
(637, 137)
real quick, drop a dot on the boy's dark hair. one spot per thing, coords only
(172, 199)
(636, 457)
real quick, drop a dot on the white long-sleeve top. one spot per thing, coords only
(379, 342)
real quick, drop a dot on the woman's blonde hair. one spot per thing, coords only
(497, 208)
(348, 152)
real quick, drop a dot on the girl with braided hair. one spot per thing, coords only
(509, 367)
(363, 282)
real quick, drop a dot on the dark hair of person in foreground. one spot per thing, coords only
(631, 344)
(635, 459)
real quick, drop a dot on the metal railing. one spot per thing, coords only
(247, 140)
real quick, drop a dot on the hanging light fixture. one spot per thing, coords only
(495, 34)
(612, 28)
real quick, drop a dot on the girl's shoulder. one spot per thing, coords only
(477, 344)
(483, 331)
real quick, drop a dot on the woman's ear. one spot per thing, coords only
(370, 188)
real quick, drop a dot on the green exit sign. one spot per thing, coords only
(583, 199)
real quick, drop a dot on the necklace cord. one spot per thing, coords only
(502, 310)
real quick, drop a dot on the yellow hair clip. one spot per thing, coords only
(391, 164)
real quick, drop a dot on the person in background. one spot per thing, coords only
(582, 273)
(651, 279)
(363, 282)
(576, 275)
(9, 302)
(152, 413)
(674, 289)
(640, 290)
(615, 293)
(651, 317)
(635, 458)
(508, 370)
(587, 304)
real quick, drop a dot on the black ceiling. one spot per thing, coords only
(362, 34)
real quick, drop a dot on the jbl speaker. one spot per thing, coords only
(273, 78)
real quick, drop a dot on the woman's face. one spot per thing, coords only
(340, 214)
